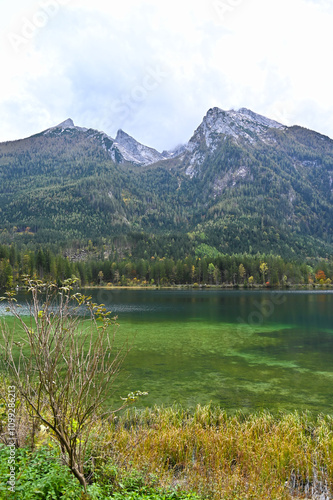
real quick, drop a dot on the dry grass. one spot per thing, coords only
(225, 457)
(218, 456)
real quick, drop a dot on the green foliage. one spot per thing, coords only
(119, 484)
(205, 250)
(39, 475)
(161, 267)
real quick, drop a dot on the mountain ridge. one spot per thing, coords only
(243, 123)
(123, 139)
(242, 183)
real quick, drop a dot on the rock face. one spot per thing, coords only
(122, 149)
(63, 126)
(241, 124)
(134, 152)
(66, 124)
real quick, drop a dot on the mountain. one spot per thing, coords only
(135, 152)
(219, 124)
(263, 182)
(242, 183)
(122, 149)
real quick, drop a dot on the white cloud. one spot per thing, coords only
(154, 68)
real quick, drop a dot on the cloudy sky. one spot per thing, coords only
(154, 68)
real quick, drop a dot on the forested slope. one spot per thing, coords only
(243, 183)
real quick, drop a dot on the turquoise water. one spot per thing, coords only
(241, 349)
(246, 350)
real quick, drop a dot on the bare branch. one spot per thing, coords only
(64, 364)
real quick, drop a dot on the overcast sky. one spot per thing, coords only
(154, 68)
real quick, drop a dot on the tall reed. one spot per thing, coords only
(258, 456)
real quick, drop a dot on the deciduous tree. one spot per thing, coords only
(64, 366)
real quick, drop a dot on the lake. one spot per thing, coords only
(247, 350)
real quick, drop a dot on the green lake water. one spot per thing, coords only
(244, 350)
(247, 350)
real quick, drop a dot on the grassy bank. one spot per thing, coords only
(172, 452)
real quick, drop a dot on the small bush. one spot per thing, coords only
(39, 475)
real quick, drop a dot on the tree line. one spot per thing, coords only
(98, 267)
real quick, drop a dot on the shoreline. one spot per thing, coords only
(210, 287)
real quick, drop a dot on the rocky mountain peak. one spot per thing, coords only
(135, 152)
(66, 124)
(259, 119)
(238, 124)
(123, 136)
(242, 124)
(235, 123)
